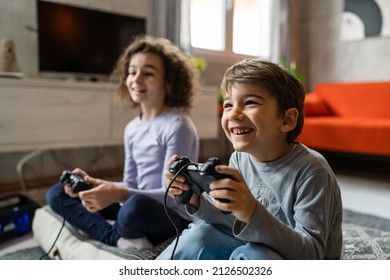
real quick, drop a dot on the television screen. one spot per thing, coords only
(84, 41)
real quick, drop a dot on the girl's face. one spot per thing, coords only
(252, 122)
(145, 80)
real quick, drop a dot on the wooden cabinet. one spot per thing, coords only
(49, 114)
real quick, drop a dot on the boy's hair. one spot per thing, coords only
(284, 86)
(180, 76)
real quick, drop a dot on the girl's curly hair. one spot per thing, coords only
(181, 77)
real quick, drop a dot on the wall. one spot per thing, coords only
(323, 57)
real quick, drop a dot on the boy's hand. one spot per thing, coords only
(241, 201)
(178, 186)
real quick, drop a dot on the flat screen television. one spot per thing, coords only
(82, 43)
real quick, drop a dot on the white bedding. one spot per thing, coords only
(71, 245)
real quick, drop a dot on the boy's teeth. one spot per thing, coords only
(241, 130)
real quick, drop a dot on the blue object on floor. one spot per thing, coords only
(16, 214)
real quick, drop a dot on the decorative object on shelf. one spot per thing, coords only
(8, 62)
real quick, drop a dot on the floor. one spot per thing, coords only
(368, 194)
(362, 192)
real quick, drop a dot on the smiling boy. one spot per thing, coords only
(284, 198)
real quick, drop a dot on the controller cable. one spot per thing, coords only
(62, 226)
(166, 208)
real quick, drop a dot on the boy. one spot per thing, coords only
(284, 199)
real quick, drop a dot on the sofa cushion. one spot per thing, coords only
(356, 135)
(367, 100)
(315, 106)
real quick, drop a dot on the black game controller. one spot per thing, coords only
(78, 184)
(198, 176)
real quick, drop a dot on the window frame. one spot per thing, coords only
(227, 55)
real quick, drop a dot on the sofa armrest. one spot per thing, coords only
(315, 106)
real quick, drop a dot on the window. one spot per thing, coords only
(230, 28)
(207, 24)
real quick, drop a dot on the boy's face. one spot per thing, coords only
(253, 124)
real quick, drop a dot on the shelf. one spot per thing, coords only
(54, 114)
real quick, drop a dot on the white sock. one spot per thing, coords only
(134, 244)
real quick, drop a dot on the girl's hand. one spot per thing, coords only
(102, 195)
(68, 187)
(80, 172)
(235, 194)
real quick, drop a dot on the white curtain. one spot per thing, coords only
(279, 30)
(185, 31)
(167, 20)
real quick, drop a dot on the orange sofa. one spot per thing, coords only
(348, 117)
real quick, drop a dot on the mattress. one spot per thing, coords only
(72, 245)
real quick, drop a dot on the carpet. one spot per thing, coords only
(365, 220)
(366, 237)
(34, 253)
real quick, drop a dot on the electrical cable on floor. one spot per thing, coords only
(37, 152)
(98, 154)
(21, 163)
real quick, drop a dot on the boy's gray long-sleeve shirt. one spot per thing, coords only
(299, 209)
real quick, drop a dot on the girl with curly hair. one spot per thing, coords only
(159, 78)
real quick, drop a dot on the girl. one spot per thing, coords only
(159, 78)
